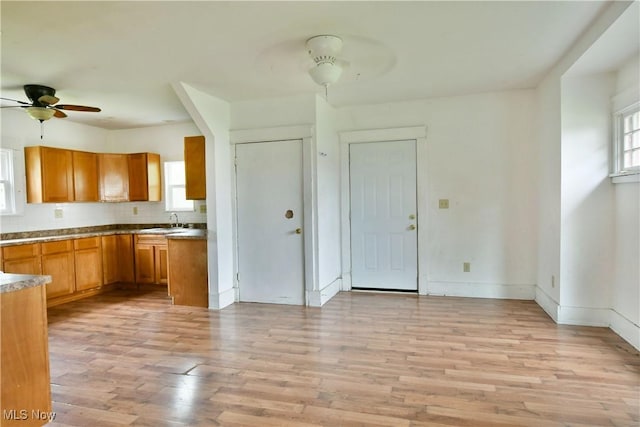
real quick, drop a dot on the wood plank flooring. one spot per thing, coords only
(130, 358)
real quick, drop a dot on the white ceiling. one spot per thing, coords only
(124, 56)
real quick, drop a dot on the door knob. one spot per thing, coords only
(412, 227)
(298, 230)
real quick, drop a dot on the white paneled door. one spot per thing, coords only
(384, 244)
(269, 191)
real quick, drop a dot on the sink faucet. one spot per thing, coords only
(171, 218)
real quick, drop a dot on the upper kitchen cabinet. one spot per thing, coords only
(144, 177)
(49, 174)
(195, 169)
(113, 170)
(85, 176)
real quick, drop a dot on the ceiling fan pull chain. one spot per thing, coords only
(41, 128)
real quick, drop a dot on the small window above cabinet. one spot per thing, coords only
(195, 169)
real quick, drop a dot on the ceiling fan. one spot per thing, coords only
(44, 103)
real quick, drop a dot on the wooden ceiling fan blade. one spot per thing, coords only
(59, 114)
(78, 108)
(48, 99)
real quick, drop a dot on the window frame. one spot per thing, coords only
(169, 185)
(8, 182)
(618, 142)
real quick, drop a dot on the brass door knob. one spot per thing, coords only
(412, 227)
(298, 230)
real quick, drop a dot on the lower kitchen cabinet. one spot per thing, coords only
(117, 259)
(88, 260)
(151, 259)
(22, 259)
(58, 262)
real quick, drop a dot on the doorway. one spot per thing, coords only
(270, 237)
(384, 217)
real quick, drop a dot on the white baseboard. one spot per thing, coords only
(481, 290)
(628, 331)
(547, 303)
(223, 299)
(583, 316)
(319, 298)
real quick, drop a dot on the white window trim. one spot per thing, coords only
(618, 174)
(12, 194)
(167, 188)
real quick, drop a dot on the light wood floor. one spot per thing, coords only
(130, 358)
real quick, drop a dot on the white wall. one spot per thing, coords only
(480, 156)
(582, 217)
(625, 298)
(19, 131)
(328, 198)
(587, 218)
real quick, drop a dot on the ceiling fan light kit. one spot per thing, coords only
(40, 113)
(324, 51)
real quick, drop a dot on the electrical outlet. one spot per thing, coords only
(58, 213)
(135, 210)
(203, 208)
(443, 203)
(466, 267)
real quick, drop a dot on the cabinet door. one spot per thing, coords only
(60, 267)
(144, 177)
(49, 174)
(145, 266)
(114, 177)
(58, 262)
(195, 169)
(110, 270)
(161, 265)
(85, 176)
(125, 257)
(88, 259)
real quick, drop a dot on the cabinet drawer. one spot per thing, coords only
(150, 239)
(21, 251)
(86, 243)
(56, 247)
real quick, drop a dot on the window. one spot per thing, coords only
(174, 187)
(627, 147)
(7, 187)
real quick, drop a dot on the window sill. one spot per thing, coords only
(621, 178)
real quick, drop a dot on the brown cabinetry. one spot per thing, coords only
(144, 177)
(22, 259)
(195, 169)
(151, 259)
(58, 262)
(88, 261)
(85, 176)
(188, 278)
(24, 358)
(49, 174)
(117, 259)
(114, 177)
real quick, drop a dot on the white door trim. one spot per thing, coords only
(417, 133)
(309, 194)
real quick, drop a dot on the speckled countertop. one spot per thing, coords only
(15, 282)
(11, 239)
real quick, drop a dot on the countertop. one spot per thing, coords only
(15, 282)
(168, 232)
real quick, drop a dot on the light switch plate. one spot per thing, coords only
(203, 208)
(58, 213)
